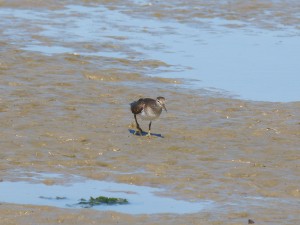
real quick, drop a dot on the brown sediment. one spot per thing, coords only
(68, 114)
(212, 147)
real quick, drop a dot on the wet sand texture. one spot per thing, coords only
(69, 113)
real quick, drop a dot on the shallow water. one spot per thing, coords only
(216, 54)
(69, 71)
(66, 191)
(142, 199)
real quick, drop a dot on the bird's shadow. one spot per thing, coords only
(144, 133)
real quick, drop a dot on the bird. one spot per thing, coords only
(147, 109)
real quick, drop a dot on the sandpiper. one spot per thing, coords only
(148, 109)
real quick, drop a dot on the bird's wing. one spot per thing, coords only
(138, 106)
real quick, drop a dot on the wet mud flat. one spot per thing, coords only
(242, 155)
(68, 113)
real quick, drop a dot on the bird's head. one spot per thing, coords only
(161, 102)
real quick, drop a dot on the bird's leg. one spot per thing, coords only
(137, 126)
(149, 133)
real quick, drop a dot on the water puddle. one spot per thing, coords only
(142, 199)
(248, 62)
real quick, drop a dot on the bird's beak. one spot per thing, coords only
(164, 107)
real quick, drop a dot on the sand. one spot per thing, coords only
(68, 114)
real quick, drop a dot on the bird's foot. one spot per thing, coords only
(148, 134)
(138, 131)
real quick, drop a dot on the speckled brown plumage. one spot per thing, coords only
(148, 109)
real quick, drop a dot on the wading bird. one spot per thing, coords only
(147, 109)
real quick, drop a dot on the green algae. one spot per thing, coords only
(102, 200)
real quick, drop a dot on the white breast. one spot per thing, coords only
(149, 115)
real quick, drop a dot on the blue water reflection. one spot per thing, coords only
(247, 62)
(142, 199)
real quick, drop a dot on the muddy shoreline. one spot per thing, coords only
(218, 149)
(68, 113)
